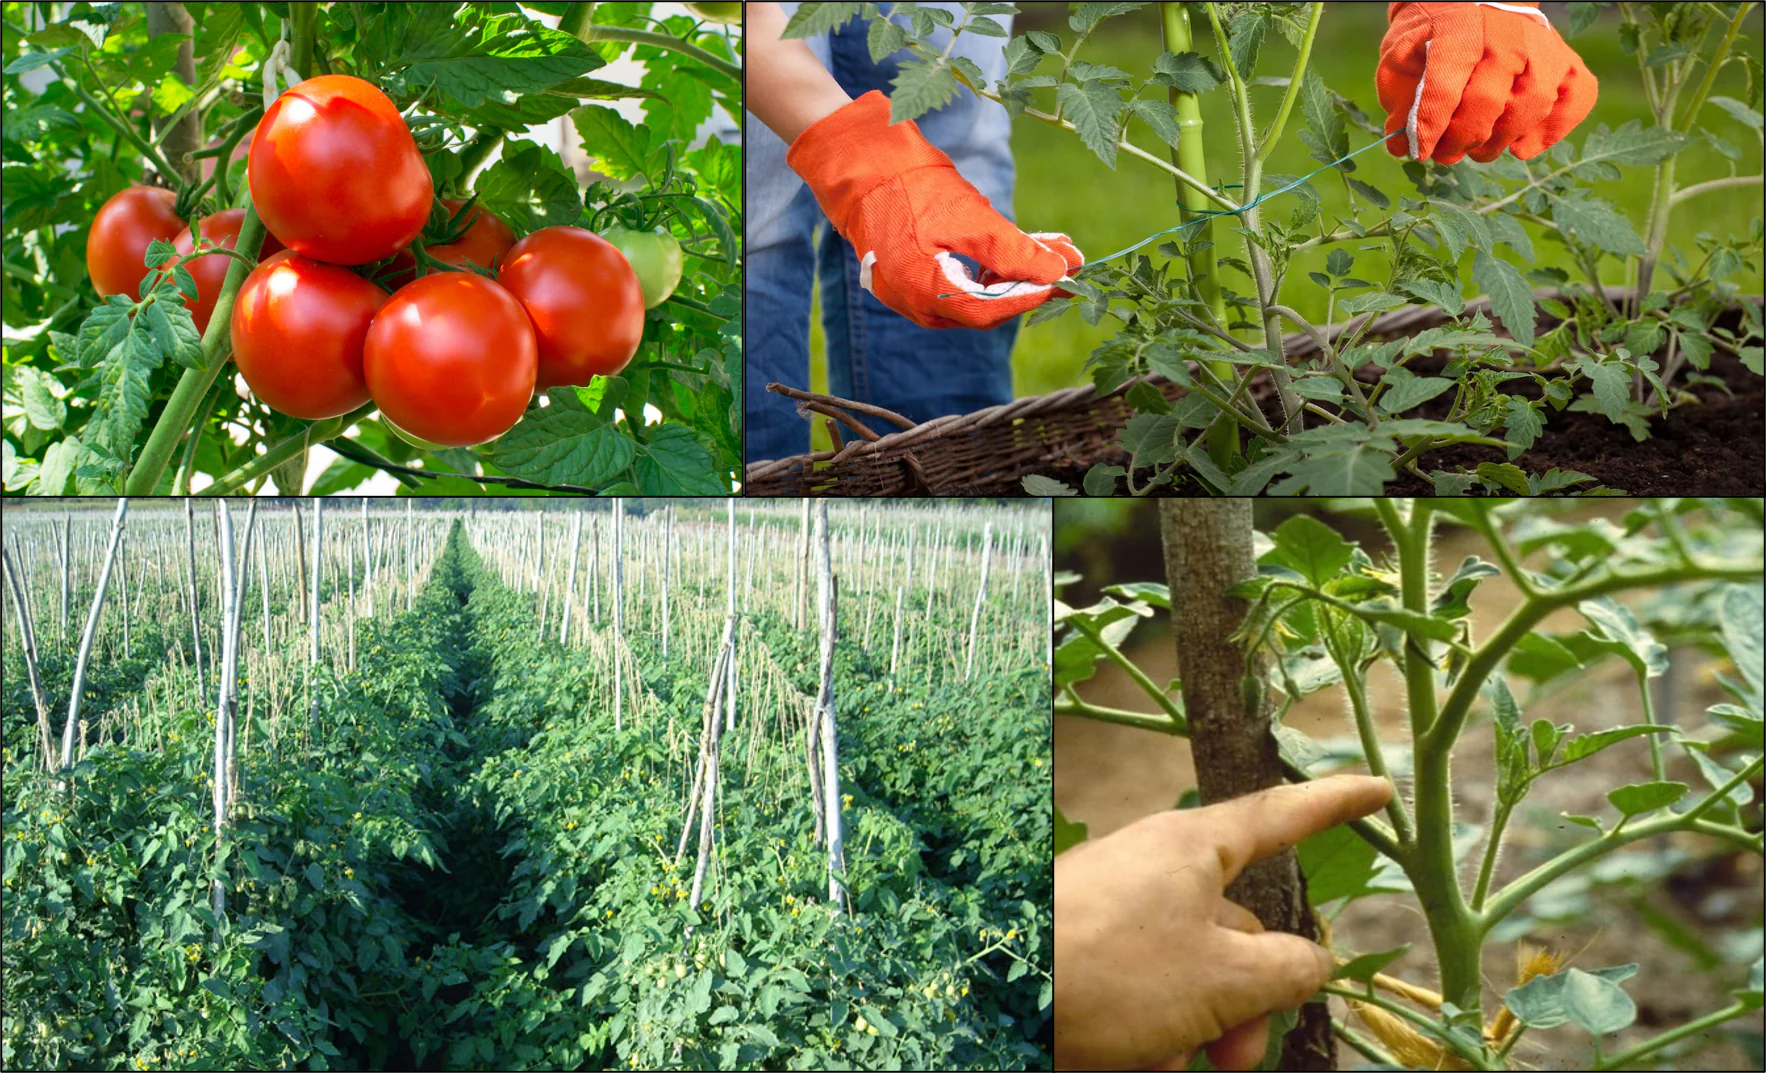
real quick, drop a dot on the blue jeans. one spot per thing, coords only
(874, 354)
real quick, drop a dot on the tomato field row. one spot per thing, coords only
(442, 853)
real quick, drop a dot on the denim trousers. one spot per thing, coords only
(874, 354)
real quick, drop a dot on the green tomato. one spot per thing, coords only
(655, 256)
(717, 12)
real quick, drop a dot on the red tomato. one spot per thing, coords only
(450, 359)
(486, 239)
(210, 270)
(586, 303)
(121, 231)
(298, 326)
(335, 173)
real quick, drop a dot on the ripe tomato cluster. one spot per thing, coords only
(450, 359)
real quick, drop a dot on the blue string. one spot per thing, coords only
(1201, 216)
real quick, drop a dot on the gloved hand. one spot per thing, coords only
(902, 205)
(1478, 78)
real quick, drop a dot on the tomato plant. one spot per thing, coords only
(379, 125)
(451, 359)
(1461, 402)
(116, 248)
(220, 229)
(297, 331)
(335, 173)
(655, 256)
(1555, 607)
(585, 301)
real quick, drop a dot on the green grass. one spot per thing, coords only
(1062, 186)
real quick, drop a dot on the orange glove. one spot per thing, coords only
(902, 205)
(1478, 78)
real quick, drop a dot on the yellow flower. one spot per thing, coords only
(358, 815)
(1012, 933)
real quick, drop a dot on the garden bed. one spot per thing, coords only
(1711, 446)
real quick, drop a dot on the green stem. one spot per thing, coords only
(302, 20)
(1431, 1028)
(664, 41)
(1729, 182)
(1262, 271)
(1330, 353)
(1368, 1048)
(1492, 848)
(1505, 552)
(475, 151)
(1703, 93)
(1521, 621)
(1074, 704)
(1628, 1059)
(1514, 895)
(1431, 868)
(1139, 677)
(181, 482)
(1300, 62)
(1355, 685)
(125, 129)
(217, 346)
(1122, 145)
(315, 433)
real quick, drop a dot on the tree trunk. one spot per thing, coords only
(1208, 550)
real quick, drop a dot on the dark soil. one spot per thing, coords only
(1712, 447)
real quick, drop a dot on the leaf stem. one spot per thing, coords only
(1514, 895)
(1074, 704)
(1627, 1059)
(315, 432)
(1139, 677)
(669, 42)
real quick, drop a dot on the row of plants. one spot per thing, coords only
(460, 864)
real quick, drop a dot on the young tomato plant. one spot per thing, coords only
(1365, 411)
(1321, 611)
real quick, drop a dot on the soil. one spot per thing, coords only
(1711, 447)
(1714, 446)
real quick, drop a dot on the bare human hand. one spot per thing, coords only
(1151, 959)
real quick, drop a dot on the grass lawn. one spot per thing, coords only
(1062, 186)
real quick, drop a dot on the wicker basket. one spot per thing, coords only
(990, 451)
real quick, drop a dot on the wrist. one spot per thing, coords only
(788, 88)
(854, 149)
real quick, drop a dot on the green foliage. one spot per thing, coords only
(463, 77)
(463, 864)
(1425, 233)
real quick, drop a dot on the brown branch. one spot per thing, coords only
(845, 404)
